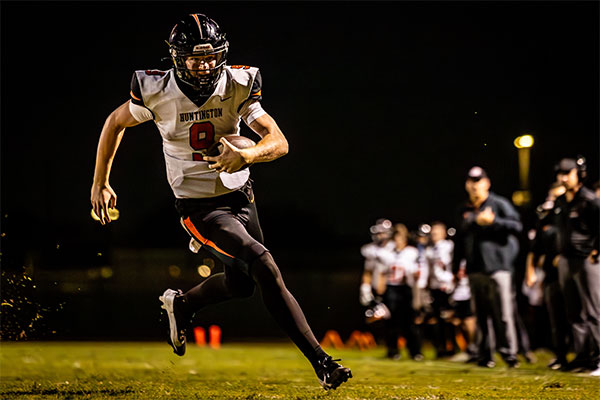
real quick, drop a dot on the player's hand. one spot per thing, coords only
(485, 217)
(103, 197)
(531, 279)
(366, 294)
(593, 257)
(230, 159)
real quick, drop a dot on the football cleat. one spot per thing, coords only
(486, 362)
(331, 374)
(177, 323)
(557, 363)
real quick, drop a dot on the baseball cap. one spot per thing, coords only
(566, 165)
(476, 173)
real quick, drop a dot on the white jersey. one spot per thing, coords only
(188, 130)
(439, 257)
(401, 265)
(462, 292)
(375, 255)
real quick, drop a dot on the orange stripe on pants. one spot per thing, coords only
(188, 224)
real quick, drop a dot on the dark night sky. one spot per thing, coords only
(385, 106)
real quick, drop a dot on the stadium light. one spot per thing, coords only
(524, 142)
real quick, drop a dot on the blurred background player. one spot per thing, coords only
(440, 284)
(540, 268)
(487, 225)
(194, 105)
(396, 288)
(577, 214)
(463, 317)
(381, 233)
(420, 291)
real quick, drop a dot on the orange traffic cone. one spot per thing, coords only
(363, 340)
(215, 336)
(401, 342)
(354, 340)
(200, 336)
(367, 341)
(332, 338)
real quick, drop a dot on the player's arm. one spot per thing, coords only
(530, 275)
(103, 196)
(381, 282)
(272, 146)
(366, 290)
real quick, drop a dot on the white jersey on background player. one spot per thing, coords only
(462, 291)
(375, 256)
(439, 257)
(400, 266)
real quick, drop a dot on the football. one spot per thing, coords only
(241, 142)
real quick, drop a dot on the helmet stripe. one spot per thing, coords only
(199, 26)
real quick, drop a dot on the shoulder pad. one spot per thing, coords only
(152, 79)
(242, 74)
(368, 250)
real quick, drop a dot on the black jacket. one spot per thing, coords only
(578, 222)
(487, 248)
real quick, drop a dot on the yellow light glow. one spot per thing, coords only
(106, 272)
(521, 197)
(203, 271)
(174, 271)
(523, 142)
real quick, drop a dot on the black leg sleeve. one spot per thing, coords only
(211, 291)
(284, 308)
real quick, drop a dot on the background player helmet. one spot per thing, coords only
(198, 35)
(382, 230)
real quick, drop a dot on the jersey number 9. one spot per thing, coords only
(202, 136)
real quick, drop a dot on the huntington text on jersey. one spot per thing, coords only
(201, 114)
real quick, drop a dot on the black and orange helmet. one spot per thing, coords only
(198, 35)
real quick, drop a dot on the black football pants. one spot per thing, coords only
(228, 227)
(399, 298)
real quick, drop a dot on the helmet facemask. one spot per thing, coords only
(203, 83)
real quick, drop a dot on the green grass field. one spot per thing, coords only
(39, 370)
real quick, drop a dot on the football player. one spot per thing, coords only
(381, 233)
(439, 259)
(194, 105)
(396, 285)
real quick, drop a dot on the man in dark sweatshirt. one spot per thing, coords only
(578, 221)
(486, 240)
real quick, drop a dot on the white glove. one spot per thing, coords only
(366, 294)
